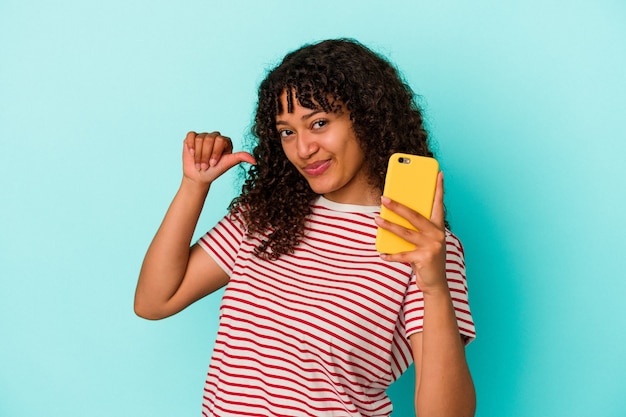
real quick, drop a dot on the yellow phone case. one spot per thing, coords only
(411, 180)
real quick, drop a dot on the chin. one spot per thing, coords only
(321, 189)
(314, 184)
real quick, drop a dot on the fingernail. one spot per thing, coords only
(204, 166)
(385, 200)
(198, 167)
(213, 162)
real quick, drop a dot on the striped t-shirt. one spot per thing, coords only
(320, 332)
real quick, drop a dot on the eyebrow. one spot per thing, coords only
(304, 117)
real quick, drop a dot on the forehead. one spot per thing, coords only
(290, 99)
(295, 112)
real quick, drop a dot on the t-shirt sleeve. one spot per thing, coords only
(224, 240)
(457, 282)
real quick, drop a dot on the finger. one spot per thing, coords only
(208, 143)
(222, 145)
(413, 217)
(438, 213)
(189, 149)
(403, 257)
(199, 149)
(394, 228)
(245, 157)
(228, 161)
(190, 141)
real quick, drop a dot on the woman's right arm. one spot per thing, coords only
(173, 275)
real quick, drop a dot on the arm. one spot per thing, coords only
(173, 275)
(444, 385)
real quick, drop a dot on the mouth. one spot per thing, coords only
(316, 168)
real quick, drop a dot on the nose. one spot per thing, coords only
(307, 145)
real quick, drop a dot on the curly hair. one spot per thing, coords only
(334, 75)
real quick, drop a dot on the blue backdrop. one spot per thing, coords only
(526, 101)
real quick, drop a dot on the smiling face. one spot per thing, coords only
(324, 149)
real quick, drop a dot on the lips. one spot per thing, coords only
(316, 168)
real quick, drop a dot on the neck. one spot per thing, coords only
(371, 198)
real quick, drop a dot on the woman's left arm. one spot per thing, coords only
(444, 385)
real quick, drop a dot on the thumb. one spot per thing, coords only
(228, 161)
(438, 213)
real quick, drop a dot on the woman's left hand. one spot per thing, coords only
(428, 259)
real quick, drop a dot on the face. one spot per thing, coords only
(325, 150)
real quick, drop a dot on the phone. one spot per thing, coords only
(411, 180)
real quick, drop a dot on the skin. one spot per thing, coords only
(443, 385)
(173, 275)
(324, 148)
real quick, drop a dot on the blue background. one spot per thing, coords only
(526, 101)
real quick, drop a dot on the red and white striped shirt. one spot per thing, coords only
(320, 332)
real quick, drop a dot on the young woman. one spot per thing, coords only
(313, 321)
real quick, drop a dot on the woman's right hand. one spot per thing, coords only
(206, 156)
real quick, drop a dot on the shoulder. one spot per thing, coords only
(453, 243)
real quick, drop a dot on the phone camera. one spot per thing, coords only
(403, 160)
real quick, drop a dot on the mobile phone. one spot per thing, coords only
(411, 180)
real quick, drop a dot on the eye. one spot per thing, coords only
(285, 133)
(318, 124)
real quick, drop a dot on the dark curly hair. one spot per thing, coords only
(334, 75)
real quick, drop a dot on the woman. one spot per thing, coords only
(313, 320)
